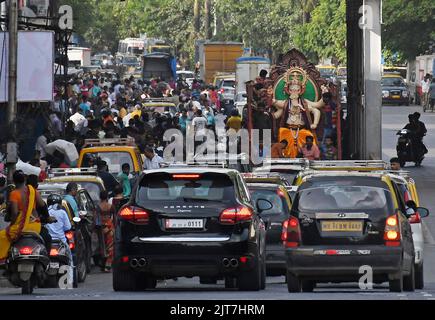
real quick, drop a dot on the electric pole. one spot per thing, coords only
(12, 154)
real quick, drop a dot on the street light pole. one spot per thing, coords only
(12, 87)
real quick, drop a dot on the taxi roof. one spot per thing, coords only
(109, 149)
(313, 174)
(81, 178)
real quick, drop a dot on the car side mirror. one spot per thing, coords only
(263, 205)
(423, 212)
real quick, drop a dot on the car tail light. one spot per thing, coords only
(392, 231)
(281, 193)
(134, 214)
(415, 218)
(54, 252)
(234, 215)
(291, 233)
(26, 250)
(70, 237)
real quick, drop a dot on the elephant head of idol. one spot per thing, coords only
(296, 79)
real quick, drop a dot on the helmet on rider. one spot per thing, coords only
(54, 199)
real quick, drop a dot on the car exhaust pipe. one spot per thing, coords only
(134, 263)
(234, 263)
(142, 262)
(226, 262)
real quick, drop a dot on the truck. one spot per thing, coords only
(248, 68)
(79, 56)
(214, 57)
(161, 65)
(153, 45)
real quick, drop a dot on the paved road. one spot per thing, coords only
(99, 285)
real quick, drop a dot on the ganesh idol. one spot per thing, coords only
(297, 117)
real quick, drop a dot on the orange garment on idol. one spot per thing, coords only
(25, 221)
(296, 140)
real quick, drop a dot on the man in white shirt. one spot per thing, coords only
(425, 86)
(199, 123)
(152, 160)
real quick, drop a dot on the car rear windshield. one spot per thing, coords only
(349, 198)
(279, 205)
(170, 187)
(114, 160)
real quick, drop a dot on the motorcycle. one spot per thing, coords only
(59, 259)
(27, 262)
(406, 149)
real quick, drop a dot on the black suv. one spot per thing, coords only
(340, 223)
(190, 221)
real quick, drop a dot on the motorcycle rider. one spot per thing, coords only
(25, 211)
(57, 230)
(418, 131)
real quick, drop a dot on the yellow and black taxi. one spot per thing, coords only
(394, 90)
(115, 152)
(341, 221)
(190, 221)
(87, 178)
(162, 106)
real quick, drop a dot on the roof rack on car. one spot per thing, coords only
(402, 173)
(109, 142)
(252, 175)
(349, 165)
(279, 161)
(193, 164)
(72, 172)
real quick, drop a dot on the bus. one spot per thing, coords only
(131, 46)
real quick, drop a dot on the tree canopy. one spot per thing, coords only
(316, 27)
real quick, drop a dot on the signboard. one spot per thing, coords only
(35, 66)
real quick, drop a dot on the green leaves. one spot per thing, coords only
(325, 35)
(409, 27)
(272, 26)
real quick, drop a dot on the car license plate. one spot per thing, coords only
(395, 97)
(54, 265)
(342, 226)
(184, 224)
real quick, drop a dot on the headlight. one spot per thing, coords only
(405, 94)
(385, 94)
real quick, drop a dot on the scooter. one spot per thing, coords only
(27, 262)
(405, 149)
(60, 261)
